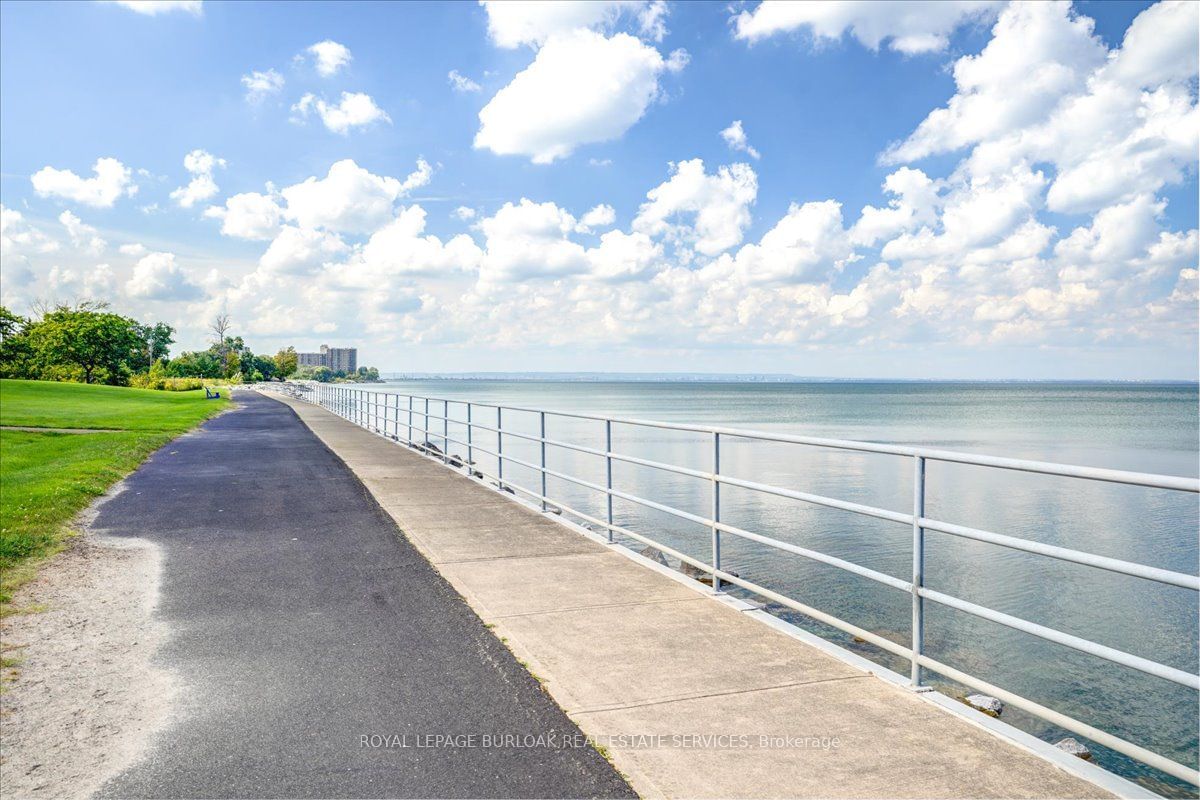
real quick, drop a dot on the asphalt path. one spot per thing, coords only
(320, 654)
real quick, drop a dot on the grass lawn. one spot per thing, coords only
(46, 478)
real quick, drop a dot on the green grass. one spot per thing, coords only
(43, 404)
(47, 478)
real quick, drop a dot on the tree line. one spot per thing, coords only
(89, 344)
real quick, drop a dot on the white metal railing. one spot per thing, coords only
(396, 416)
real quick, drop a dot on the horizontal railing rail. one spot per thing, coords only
(397, 416)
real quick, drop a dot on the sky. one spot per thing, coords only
(849, 189)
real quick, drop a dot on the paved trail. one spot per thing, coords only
(302, 620)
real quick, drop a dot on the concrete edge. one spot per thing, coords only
(1096, 775)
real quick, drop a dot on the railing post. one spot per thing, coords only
(918, 569)
(716, 509)
(608, 476)
(410, 412)
(542, 421)
(445, 431)
(470, 448)
(425, 429)
(499, 448)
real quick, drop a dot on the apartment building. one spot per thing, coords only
(343, 359)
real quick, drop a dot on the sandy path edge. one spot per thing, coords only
(88, 698)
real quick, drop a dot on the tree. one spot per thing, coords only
(233, 364)
(203, 364)
(220, 329)
(15, 353)
(311, 373)
(10, 324)
(157, 340)
(265, 368)
(97, 343)
(286, 362)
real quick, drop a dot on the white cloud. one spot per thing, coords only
(461, 83)
(914, 204)
(112, 180)
(155, 7)
(512, 23)
(625, 257)
(349, 199)
(1118, 235)
(157, 277)
(1138, 117)
(135, 249)
(600, 216)
(976, 215)
(400, 248)
(330, 57)
(735, 137)
(1113, 125)
(1159, 47)
(354, 110)
(301, 251)
(19, 239)
(947, 256)
(83, 236)
(99, 281)
(718, 206)
(249, 215)
(259, 85)
(807, 245)
(581, 88)
(908, 26)
(200, 164)
(1038, 52)
(530, 240)
(417, 178)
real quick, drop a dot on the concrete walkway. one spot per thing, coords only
(651, 667)
(300, 621)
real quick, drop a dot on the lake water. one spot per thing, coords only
(1148, 428)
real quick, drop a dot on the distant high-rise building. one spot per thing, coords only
(341, 358)
(338, 359)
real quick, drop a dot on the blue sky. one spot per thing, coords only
(1028, 245)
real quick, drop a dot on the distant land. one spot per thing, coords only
(730, 377)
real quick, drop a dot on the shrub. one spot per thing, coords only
(167, 384)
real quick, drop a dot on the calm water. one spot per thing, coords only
(1141, 427)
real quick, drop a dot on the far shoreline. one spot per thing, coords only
(669, 377)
